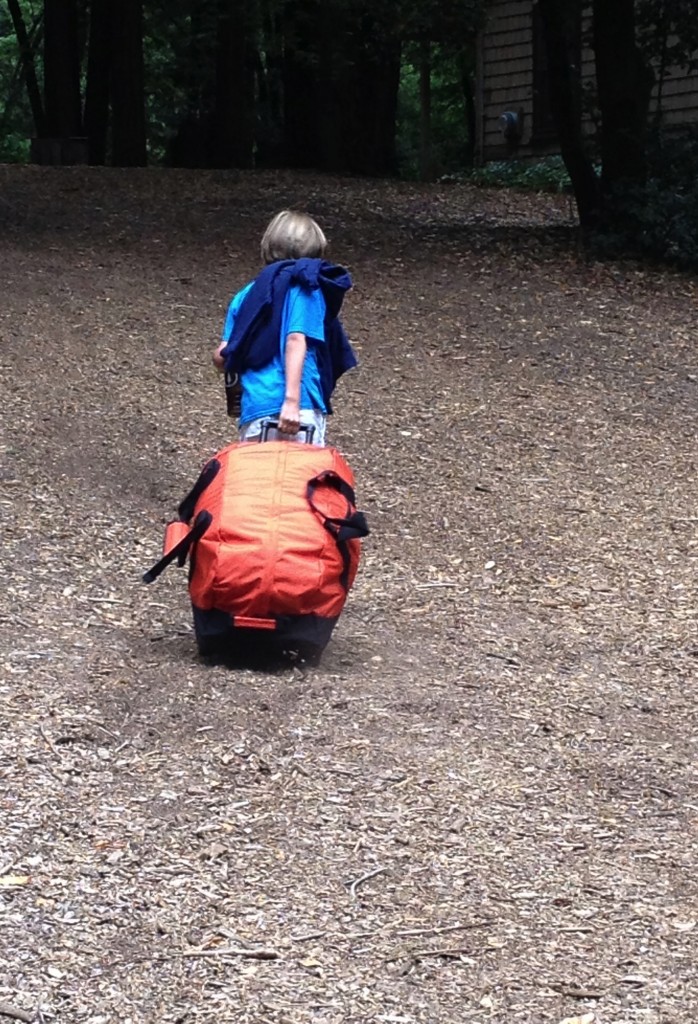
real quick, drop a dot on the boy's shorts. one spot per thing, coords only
(309, 418)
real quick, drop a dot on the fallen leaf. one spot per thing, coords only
(12, 881)
(586, 1018)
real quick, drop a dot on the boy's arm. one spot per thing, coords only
(216, 355)
(290, 415)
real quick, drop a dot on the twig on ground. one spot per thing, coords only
(576, 991)
(49, 742)
(259, 953)
(99, 725)
(307, 937)
(363, 878)
(436, 930)
(502, 657)
(250, 954)
(450, 951)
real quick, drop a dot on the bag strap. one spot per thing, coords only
(181, 550)
(344, 528)
(206, 477)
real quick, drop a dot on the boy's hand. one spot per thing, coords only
(218, 360)
(290, 417)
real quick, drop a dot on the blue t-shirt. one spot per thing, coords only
(263, 390)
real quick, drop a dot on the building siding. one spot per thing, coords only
(506, 83)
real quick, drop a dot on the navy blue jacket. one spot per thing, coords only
(255, 338)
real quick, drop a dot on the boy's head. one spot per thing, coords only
(291, 236)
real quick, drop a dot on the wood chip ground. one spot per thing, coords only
(482, 807)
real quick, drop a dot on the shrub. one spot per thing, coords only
(663, 224)
(660, 220)
(14, 149)
(546, 175)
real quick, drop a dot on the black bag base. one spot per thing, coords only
(296, 639)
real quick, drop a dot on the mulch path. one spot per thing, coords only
(482, 806)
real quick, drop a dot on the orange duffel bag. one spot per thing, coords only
(273, 538)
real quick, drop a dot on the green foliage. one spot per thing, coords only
(449, 128)
(667, 31)
(547, 175)
(9, 54)
(14, 148)
(407, 142)
(16, 123)
(180, 39)
(660, 220)
(669, 224)
(673, 159)
(166, 83)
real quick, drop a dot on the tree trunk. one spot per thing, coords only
(62, 103)
(560, 19)
(330, 91)
(127, 84)
(269, 142)
(194, 74)
(26, 56)
(301, 85)
(369, 91)
(341, 79)
(624, 83)
(468, 92)
(426, 163)
(98, 75)
(232, 126)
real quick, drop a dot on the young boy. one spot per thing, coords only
(282, 335)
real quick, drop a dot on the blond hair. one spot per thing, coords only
(291, 236)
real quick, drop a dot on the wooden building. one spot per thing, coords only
(514, 119)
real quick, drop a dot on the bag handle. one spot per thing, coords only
(353, 524)
(181, 550)
(350, 526)
(267, 425)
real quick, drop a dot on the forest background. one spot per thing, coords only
(382, 89)
(338, 86)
